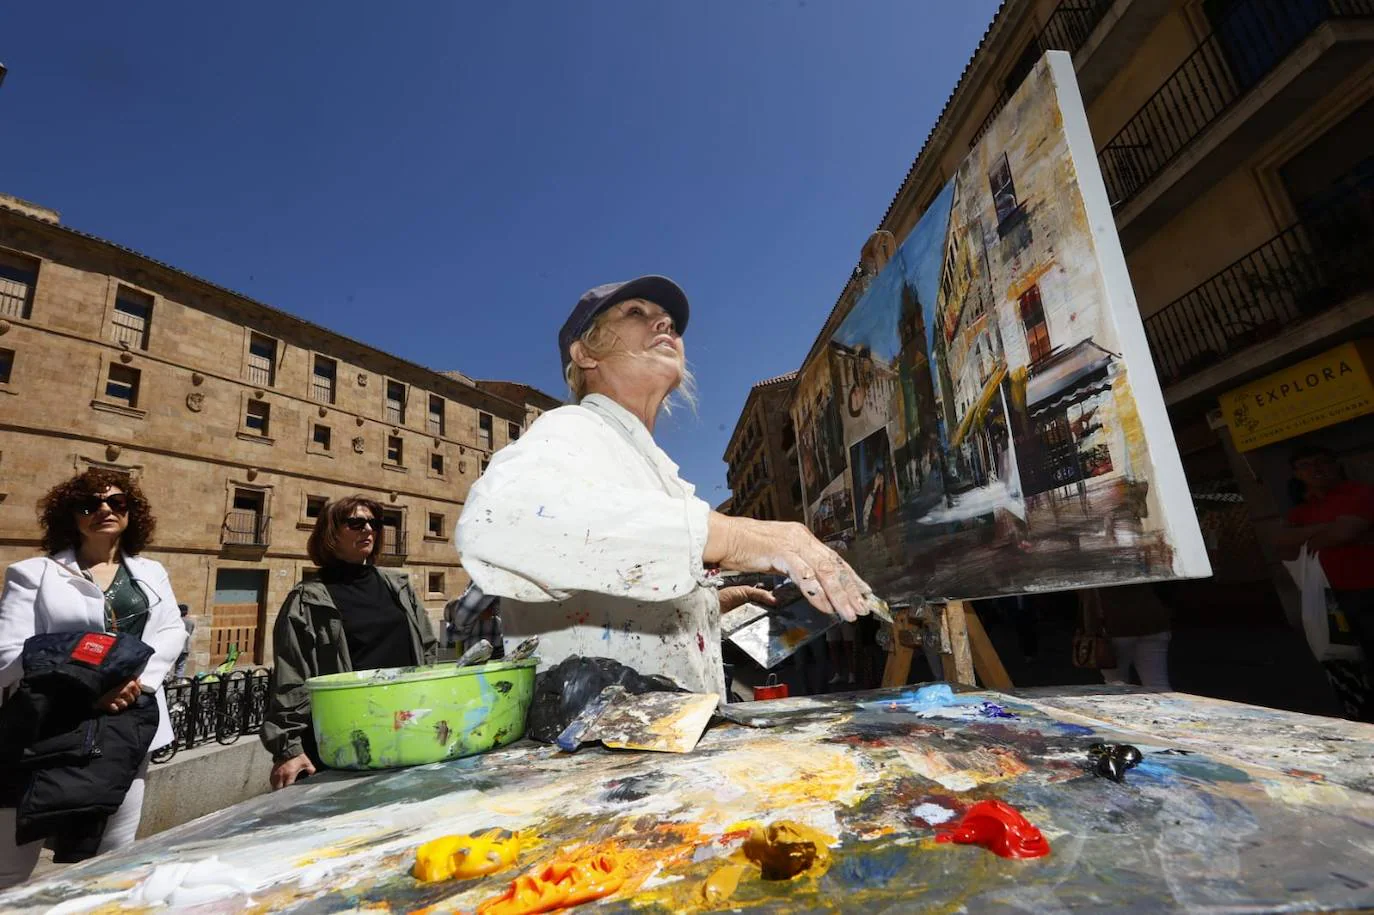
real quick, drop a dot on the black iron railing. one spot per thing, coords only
(1066, 29)
(997, 105)
(243, 527)
(1253, 38)
(1304, 270)
(218, 707)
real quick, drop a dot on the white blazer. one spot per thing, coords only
(49, 594)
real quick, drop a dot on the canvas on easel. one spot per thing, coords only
(990, 403)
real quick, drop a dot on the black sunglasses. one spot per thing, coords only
(357, 524)
(119, 504)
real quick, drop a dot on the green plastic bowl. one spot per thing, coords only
(411, 716)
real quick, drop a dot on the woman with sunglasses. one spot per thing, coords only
(354, 616)
(92, 579)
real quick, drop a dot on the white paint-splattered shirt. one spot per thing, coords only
(594, 542)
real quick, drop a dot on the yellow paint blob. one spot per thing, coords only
(721, 885)
(465, 857)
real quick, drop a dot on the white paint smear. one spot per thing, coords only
(933, 814)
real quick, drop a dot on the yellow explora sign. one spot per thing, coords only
(1310, 395)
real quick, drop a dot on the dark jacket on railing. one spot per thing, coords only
(309, 641)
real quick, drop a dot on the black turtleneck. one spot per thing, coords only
(376, 627)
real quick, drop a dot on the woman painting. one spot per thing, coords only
(92, 579)
(589, 535)
(355, 616)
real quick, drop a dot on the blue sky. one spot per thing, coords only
(873, 321)
(443, 179)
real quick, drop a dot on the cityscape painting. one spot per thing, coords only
(991, 393)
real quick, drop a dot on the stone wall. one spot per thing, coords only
(186, 435)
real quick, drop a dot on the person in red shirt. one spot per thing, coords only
(1336, 521)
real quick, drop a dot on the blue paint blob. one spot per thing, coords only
(867, 868)
(993, 710)
(937, 695)
(1205, 770)
(1152, 769)
(1074, 730)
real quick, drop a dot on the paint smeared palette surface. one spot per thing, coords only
(883, 774)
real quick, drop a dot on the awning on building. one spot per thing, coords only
(1069, 376)
(980, 407)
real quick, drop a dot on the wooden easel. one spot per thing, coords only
(965, 649)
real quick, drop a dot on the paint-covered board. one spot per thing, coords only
(776, 637)
(880, 774)
(663, 722)
(986, 420)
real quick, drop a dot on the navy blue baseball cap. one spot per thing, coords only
(660, 290)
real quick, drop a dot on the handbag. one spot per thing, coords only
(1092, 647)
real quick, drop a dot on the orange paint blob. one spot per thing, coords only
(1001, 829)
(561, 883)
(465, 857)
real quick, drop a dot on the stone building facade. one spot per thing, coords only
(238, 420)
(762, 455)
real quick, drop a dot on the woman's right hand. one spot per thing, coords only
(287, 771)
(749, 545)
(119, 698)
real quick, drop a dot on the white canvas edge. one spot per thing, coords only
(1180, 517)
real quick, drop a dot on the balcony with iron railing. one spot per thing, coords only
(1067, 28)
(246, 528)
(321, 389)
(1252, 42)
(1308, 268)
(1071, 23)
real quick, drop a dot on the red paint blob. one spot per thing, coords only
(701, 642)
(1000, 829)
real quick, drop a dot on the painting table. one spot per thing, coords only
(1233, 808)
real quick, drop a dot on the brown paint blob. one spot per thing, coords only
(786, 849)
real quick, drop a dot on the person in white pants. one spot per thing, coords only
(91, 580)
(1140, 625)
(18, 861)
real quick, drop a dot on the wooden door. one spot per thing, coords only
(238, 615)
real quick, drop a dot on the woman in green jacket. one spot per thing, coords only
(354, 616)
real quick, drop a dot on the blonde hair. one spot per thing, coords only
(600, 342)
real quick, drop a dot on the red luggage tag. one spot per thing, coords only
(93, 648)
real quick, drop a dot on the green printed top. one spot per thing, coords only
(126, 606)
